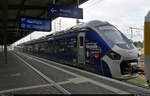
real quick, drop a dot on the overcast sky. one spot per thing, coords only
(121, 13)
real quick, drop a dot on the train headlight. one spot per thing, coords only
(113, 55)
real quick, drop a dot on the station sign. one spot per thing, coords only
(35, 24)
(65, 11)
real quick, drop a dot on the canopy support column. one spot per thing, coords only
(4, 6)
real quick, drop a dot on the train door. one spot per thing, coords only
(81, 48)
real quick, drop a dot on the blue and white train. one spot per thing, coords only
(96, 44)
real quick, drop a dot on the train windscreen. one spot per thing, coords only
(113, 34)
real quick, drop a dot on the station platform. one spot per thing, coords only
(27, 74)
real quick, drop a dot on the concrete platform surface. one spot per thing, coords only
(17, 77)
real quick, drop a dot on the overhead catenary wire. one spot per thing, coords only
(135, 28)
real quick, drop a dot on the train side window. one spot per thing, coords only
(81, 41)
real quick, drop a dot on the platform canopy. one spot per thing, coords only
(12, 10)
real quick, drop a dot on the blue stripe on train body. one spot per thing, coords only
(70, 54)
(102, 48)
(70, 47)
(66, 36)
(95, 62)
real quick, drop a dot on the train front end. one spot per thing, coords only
(122, 58)
(125, 60)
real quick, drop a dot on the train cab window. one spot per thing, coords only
(81, 41)
(113, 34)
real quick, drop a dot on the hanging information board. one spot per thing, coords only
(35, 24)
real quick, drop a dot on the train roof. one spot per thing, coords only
(91, 24)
